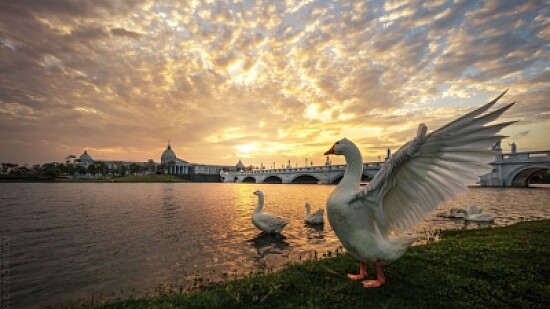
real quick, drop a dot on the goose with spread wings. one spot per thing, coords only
(425, 172)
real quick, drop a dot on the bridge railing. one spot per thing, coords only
(542, 155)
(368, 165)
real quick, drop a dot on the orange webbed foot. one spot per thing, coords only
(380, 279)
(373, 283)
(356, 276)
(362, 272)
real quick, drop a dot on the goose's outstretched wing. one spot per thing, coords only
(433, 168)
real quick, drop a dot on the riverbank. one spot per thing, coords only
(126, 179)
(123, 179)
(488, 267)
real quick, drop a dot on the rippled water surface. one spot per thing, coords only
(71, 241)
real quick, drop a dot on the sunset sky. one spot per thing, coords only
(263, 81)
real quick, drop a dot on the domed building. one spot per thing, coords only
(239, 166)
(168, 156)
(170, 164)
(85, 159)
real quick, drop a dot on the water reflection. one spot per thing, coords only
(266, 245)
(269, 244)
(314, 231)
(169, 203)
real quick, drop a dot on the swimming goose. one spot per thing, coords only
(425, 172)
(314, 218)
(267, 222)
(476, 217)
(459, 213)
(472, 209)
(453, 214)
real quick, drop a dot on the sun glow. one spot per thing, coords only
(246, 148)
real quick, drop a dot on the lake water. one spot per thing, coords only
(62, 242)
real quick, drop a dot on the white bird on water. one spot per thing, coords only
(459, 213)
(425, 172)
(267, 222)
(476, 217)
(314, 218)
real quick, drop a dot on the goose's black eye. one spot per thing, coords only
(337, 143)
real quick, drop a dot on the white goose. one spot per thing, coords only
(476, 217)
(314, 218)
(267, 222)
(429, 170)
(453, 214)
(460, 213)
(473, 209)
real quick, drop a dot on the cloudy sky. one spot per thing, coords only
(264, 81)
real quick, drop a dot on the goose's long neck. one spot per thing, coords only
(354, 170)
(308, 209)
(260, 204)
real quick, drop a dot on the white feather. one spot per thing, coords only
(432, 169)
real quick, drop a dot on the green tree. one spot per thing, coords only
(80, 170)
(51, 170)
(102, 168)
(134, 168)
(92, 169)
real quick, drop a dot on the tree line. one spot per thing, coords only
(54, 170)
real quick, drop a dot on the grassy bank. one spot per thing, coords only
(485, 268)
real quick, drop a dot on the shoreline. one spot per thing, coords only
(486, 267)
(175, 179)
(122, 179)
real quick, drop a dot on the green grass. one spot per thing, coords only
(506, 267)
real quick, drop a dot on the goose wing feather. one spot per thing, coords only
(433, 168)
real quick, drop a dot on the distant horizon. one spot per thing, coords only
(266, 165)
(268, 81)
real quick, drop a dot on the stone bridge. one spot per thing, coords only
(515, 169)
(314, 174)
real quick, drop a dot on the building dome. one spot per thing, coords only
(85, 157)
(168, 155)
(239, 165)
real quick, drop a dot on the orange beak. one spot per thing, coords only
(330, 151)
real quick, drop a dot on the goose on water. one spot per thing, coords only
(476, 217)
(425, 172)
(267, 222)
(314, 218)
(459, 213)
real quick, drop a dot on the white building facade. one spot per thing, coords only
(169, 164)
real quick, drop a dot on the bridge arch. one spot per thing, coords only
(273, 179)
(249, 179)
(338, 177)
(520, 177)
(305, 178)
